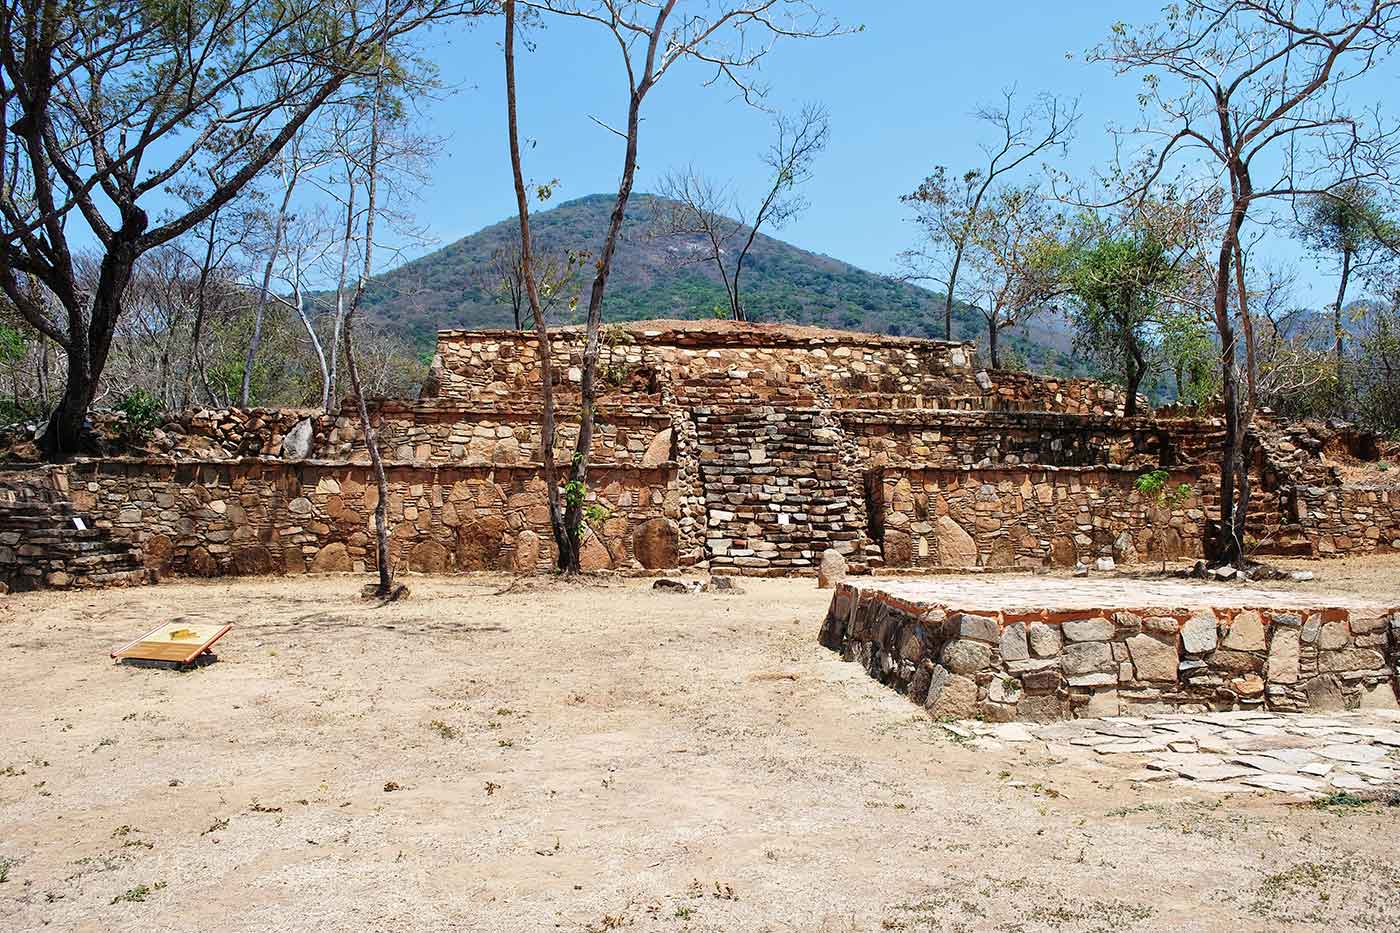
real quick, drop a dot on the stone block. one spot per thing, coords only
(1246, 632)
(1045, 640)
(1090, 630)
(1014, 645)
(1153, 659)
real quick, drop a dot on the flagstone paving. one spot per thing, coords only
(1240, 751)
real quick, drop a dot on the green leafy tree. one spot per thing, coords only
(1118, 281)
(1350, 224)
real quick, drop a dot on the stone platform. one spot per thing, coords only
(1039, 648)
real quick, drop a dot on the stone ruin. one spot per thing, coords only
(976, 650)
(747, 449)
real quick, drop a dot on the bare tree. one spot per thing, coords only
(1248, 91)
(556, 277)
(947, 208)
(1012, 252)
(106, 104)
(695, 206)
(730, 37)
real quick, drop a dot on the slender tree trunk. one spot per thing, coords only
(1229, 545)
(993, 332)
(1247, 325)
(562, 543)
(1337, 330)
(300, 303)
(1136, 365)
(381, 519)
(339, 321)
(948, 296)
(265, 289)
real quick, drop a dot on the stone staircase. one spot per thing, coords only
(42, 546)
(779, 490)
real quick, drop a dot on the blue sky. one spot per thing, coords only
(901, 95)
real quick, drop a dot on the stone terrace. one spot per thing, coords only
(1005, 648)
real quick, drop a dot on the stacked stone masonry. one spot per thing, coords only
(759, 447)
(971, 662)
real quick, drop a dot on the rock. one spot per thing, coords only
(1350, 659)
(1300, 576)
(255, 560)
(429, 557)
(658, 450)
(296, 445)
(1249, 686)
(1199, 635)
(897, 548)
(1099, 629)
(1246, 632)
(1223, 573)
(832, 569)
(1379, 696)
(527, 553)
(1045, 640)
(667, 585)
(300, 506)
(1081, 569)
(1087, 657)
(955, 699)
(1153, 659)
(333, 558)
(1124, 550)
(1104, 564)
(594, 555)
(1334, 635)
(480, 542)
(200, 563)
(1324, 694)
(724, 586)
(656, 543)
(982, 628)
(1102, 704)
(1283, 656)
(956, 548)
(1014, 646)
(964, 656)
(159, 552)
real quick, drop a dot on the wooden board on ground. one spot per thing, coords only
(178, 642)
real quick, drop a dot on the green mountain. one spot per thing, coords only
(453, 286)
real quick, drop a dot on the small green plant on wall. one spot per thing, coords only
(1156, 486)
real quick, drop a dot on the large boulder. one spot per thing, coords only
(898, 548)
(832, 569)
(956, 548)
(254, 560)
(656, 543)
(480, 542)
(594, 555)
(659, 450)
(429, 557)
(527, 552)
(296, 445)
(333, 558)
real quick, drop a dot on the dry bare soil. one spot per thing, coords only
(592, 757)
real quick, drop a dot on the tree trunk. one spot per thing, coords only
(1229, 545)
(993, 330)
(948, 296)
(576, 489)
(547, 427)
(89, 340)
(1337, 329)
(263, 292)
(381, 518)
(1136, 366)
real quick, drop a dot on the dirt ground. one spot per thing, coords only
(593, 757)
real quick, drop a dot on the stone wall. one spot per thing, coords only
(1000, 665)
(1045, 517)
(1344, 520)
(930, 438)
(779, 490)
(263, 516)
